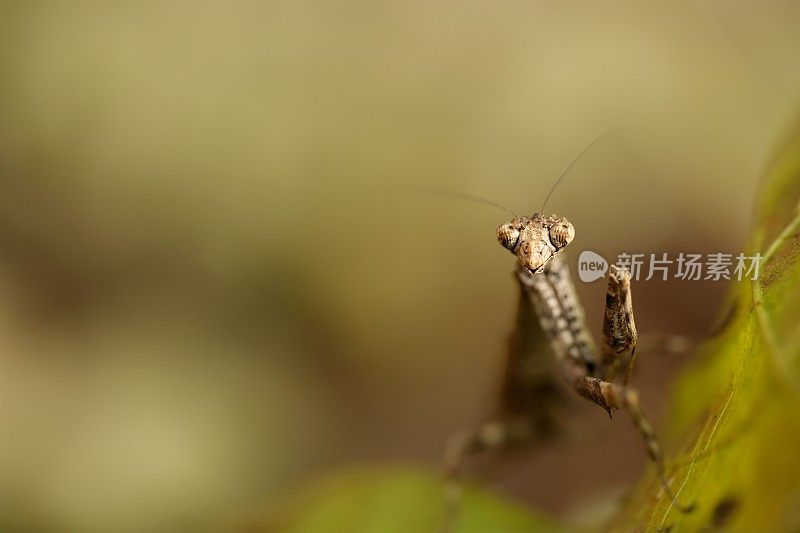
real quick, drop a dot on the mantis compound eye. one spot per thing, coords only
(508, 235)
(562, 233)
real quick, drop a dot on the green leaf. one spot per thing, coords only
(396, 500)
(736, 411)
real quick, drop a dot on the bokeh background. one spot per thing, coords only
(227, 266)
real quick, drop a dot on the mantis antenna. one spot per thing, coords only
(476, 199)
(572, 163)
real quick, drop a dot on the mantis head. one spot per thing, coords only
(536, 240)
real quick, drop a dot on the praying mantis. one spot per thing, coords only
(531, 388)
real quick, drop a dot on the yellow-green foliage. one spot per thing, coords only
(737, 409)
(396, 500)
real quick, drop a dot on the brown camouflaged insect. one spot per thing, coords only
(531, 390)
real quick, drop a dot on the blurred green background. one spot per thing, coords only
(225, 268)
